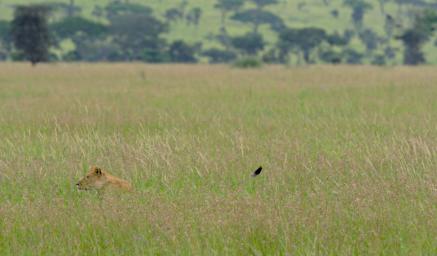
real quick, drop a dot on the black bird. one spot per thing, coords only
(257, 171)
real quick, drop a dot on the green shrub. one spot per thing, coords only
(248, 62)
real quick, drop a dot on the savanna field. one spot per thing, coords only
(349, 157)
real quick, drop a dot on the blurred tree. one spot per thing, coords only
(262, 3)
(332, 53)
(359, 8)
(224, 39)
(379, 60)
(30, 32)
(226, 6)
(4, 29)
(98, 12)
(71, 10)
(129, 36)
(330, 56)
(118, 8)
(173, 14)
(276, 55)
(63, 9)
(216, 55)
(352, 56)
(335, 39)
(249, 43)
(370, 39)
(182, 52)
(390, 52)
(137, 33)
(5, 35)
(193, 16)
(305, 40)
(389, 26)
(156, 51)
(100, 49)
(5, 40)
(182, 6)
(86, 35)
(71, 26)
(258, 17)
(415, 37)
(335, 13)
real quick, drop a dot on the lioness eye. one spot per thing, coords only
(87, 176)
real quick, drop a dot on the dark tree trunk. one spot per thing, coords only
(382, 6)
(306, 56)
(223, 20)
(70, 11)
(413, 55)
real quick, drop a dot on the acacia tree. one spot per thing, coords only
(69, 27)
(139, 36)
(117, 8)
(304, 40)
(193, 16)
(249, 43)
(262, 3)
(182, 52)
(226, 6)
(259, 16)
(359, 8)
(30, 32)
(415, 37)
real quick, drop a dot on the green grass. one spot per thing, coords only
(349, 157)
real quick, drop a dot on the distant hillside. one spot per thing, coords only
(331, 15)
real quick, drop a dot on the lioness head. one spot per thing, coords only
(95, 179)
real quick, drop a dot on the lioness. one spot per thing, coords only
(99, 180)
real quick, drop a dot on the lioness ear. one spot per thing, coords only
(98, 171)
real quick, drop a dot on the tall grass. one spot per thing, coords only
(349, 157)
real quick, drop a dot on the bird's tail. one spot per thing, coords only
(256, 173)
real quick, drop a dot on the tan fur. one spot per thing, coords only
(99, 179)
